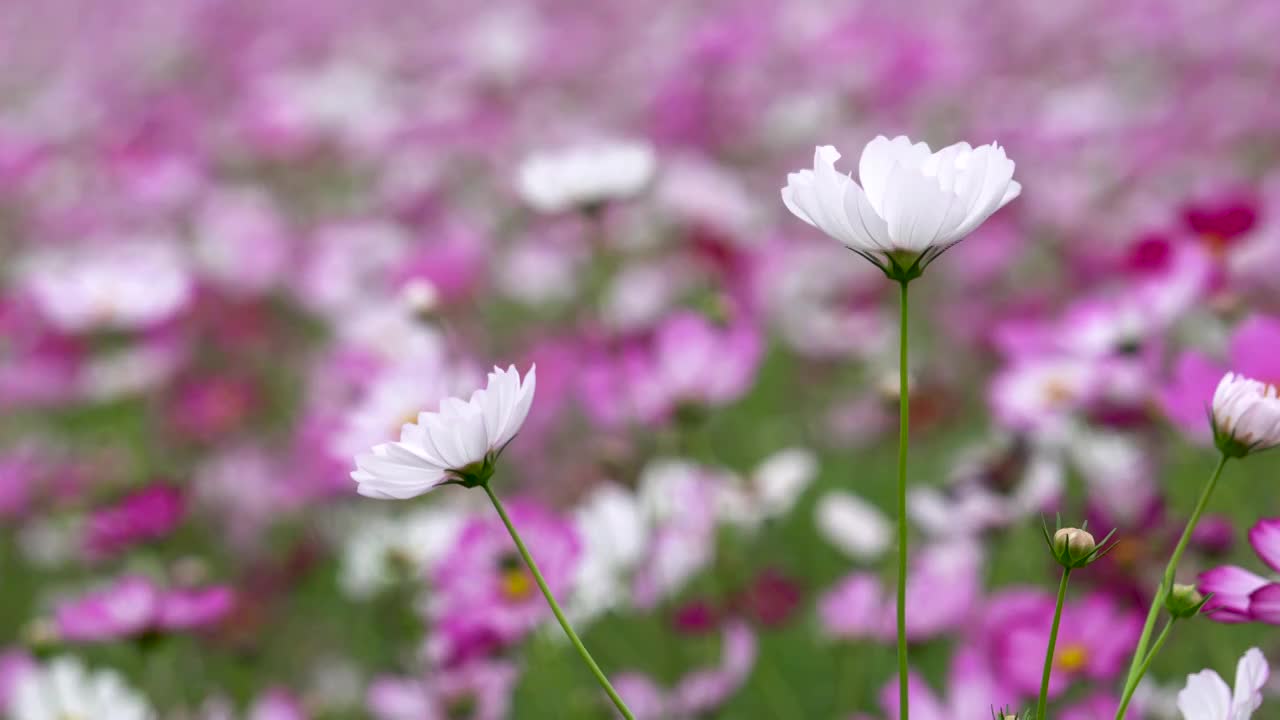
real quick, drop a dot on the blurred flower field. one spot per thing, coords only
(248, 249)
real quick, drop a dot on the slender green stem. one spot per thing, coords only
(1166, 583)
(1142, 669)
(904, 422)
(1053, 644)
(555, 607)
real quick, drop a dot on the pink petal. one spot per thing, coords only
(1264, 604)
(1265, 539)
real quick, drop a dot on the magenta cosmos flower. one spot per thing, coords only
(483, 585)
(134, 606)
(1094, 641)
(1241, 596)
(148, 514)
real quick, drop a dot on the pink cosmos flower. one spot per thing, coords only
(696, 362)
(480, 690)
(277, 704)
(242, 242)
(205, 408)
(135, 606)
(146, 515)
(699, 692)
(1240, 596)
(14, 666)
(973, 689)
(484, 584)
(1094, 641)
(20, 470)
(859, 607)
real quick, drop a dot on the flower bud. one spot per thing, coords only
(1184, 601)
(1073, 545)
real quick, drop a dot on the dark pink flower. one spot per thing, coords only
(772, 598)
(696, 618)
(1239, 595)
(146, 515)
(1220, 222)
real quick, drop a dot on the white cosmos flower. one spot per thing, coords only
(65, 690)
(377, 547)
(1246, 415)
(912, 204)
(459, 443)
(585, 175)
(615, 534)
(1207, 697)
(853, 525)
(118, 284)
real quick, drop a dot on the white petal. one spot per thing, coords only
(1251, 675)
(988, 191)
(870, 233)
(520, 407)
(1206, 697)
(879, 158)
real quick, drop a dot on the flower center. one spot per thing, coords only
(1216, 243)
(409, 419)
(514, 580)
(1073, 657)
(1057, 393)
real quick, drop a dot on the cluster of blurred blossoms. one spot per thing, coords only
(244, 242)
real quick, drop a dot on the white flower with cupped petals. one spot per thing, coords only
(912, 204)
(65, 690)
(1246, 415)
(1207, 697)
(459, 443)
(585, 176)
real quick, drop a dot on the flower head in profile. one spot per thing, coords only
(586, 176)
(912, 204)
(457, 444)
(1207, 697)
(1237, 595)
(134, 606)
(1246, 416)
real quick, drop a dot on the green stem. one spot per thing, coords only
(1166, 583)
(555, 607)
(1053, 643)
(1142, 670)
(904, 411)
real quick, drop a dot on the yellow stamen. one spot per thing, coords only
(1073, 657)
(516, 584)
